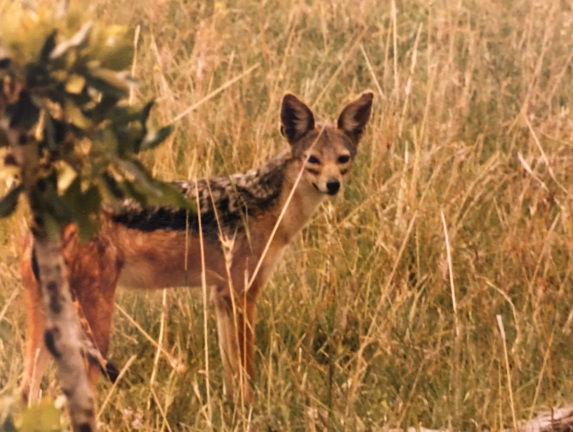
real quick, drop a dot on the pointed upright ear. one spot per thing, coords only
(355, 116)
(296, 118)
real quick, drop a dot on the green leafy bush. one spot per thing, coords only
(64, 80)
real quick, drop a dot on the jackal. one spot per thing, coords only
(232, 243)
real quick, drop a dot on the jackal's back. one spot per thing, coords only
(225, 204)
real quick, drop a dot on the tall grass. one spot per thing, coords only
(459, 209)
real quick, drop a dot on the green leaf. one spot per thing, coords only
(105, 144)
(148, 191)
(75, 116)
(153, 139)
(67, 174)
(122, 115)
(84, 207)
(88, 202)
(87, 228)
(108, 79)
(54, 134)
(129, 138)
(48, 47)
(49, 205)
(134, 191)
(37, 75)
(171, 196)
(77, 40)
(112, 47)
(112, 186)
(141, 176)
(51, 225)
(10, 201)
(73, 194)
(75, 84)
(144, 116)
(91, 200)
(23, 113)
(102, 109)
(118, 57)
(105, 88)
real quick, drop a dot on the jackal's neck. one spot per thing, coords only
(299, 199)
(261, 186)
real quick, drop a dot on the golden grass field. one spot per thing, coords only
(384, 313)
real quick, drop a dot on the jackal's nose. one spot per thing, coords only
(332, 186)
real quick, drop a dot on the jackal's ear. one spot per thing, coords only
(296, 118)
(355, 116)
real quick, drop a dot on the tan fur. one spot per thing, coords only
(247, 221)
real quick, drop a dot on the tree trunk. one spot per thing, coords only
(62, 335)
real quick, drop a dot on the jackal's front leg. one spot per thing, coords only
(235, 325)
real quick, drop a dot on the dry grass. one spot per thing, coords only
(383, 314)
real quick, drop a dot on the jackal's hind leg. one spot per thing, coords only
(92, 354)
(36, 355)
(235, 326)
(94, 306)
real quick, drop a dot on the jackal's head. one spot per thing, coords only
(327, 151)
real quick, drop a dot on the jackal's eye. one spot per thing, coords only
(343, 159)
(313, 160)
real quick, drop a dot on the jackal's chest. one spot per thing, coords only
(166, 258)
